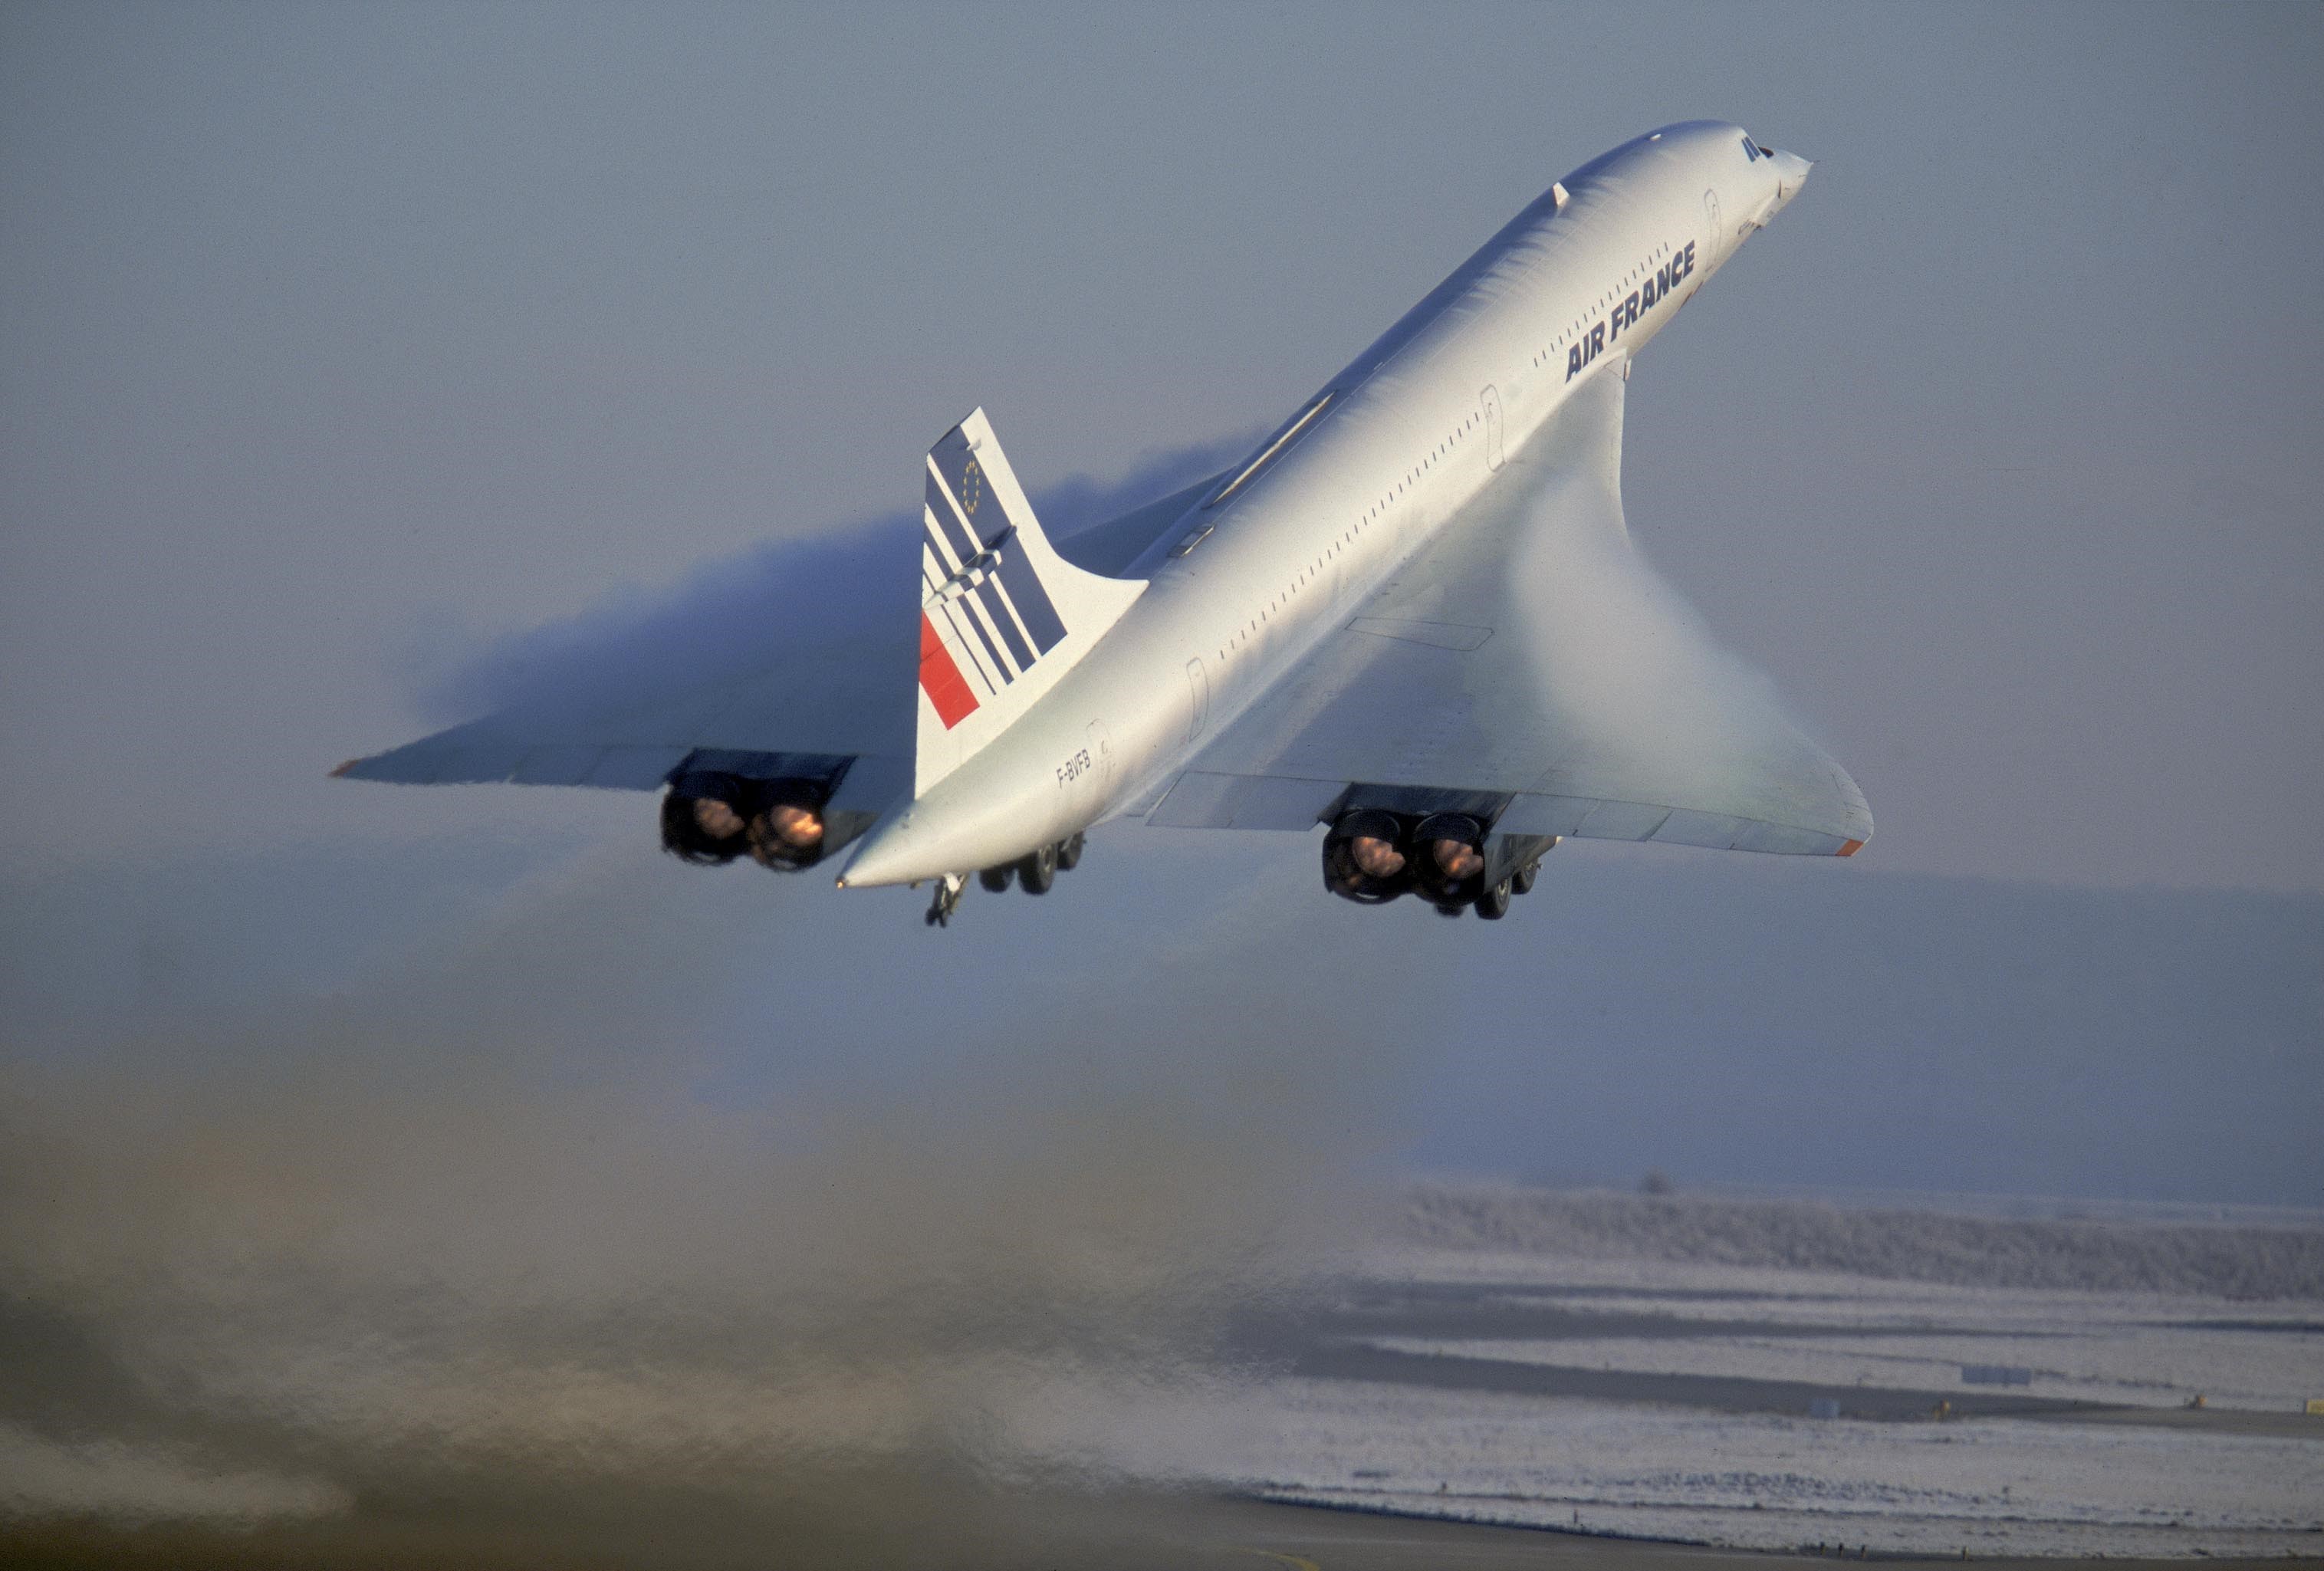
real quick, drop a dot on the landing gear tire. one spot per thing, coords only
(1038, 870)
(1069, 855)
(1521, 881)
(996, 878)
(1493, 903)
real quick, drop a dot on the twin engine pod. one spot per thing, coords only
(1451, 859)
(711, 818)
(784, 811)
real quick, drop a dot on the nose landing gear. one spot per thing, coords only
(947, 900)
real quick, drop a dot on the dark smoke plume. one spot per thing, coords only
(478, 1263)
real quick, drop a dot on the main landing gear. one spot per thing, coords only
(1036, 872)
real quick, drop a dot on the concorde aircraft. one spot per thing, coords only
(1413, 617)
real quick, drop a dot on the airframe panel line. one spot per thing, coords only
(996, 633)
(991, 686)
(962, 535)
(1026, 616)
(968, 649)
(954, 524)
(991, 649)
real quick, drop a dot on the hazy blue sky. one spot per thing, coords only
(332, 332)
(338, 346)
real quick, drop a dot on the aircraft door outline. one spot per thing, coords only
(1198, 696)
(1491, 399)
(1100, 752)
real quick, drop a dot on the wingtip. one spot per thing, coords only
(340, 772)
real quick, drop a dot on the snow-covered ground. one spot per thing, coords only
(1991, 1486)
(1545, 1292)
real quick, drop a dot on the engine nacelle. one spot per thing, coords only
(711, 817)
(1368, 858)
(1451, 860)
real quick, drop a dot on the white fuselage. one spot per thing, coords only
(1415, 426)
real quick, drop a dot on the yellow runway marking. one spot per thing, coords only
(1296, 1562)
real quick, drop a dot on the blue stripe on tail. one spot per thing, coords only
(988, 521)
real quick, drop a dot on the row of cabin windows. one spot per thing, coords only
(1573, 329)
(1347, 536)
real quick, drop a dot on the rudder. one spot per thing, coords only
(1002, 616)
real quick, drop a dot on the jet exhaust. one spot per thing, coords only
(711, 819)
(1454, 861)
(1368, 858)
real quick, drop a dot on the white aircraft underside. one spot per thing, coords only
(1415, 616)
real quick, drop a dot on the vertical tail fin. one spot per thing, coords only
(1002, 616)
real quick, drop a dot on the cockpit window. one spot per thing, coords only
(1750, 151)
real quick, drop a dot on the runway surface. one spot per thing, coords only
(1421, 1406)
(1187, 1533)
(1238, 1536)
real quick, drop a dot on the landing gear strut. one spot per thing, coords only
(947, 900)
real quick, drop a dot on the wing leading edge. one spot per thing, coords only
(1530, 666)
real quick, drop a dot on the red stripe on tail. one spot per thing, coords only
(941, 680)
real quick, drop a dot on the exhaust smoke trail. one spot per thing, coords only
(851, 586)
(492, 1254)
(645, 1219)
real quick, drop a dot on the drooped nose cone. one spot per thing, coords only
(1791, 174)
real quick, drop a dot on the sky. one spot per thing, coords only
(358, 364)
(334, 339)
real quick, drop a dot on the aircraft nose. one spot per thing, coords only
(1791, 174)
